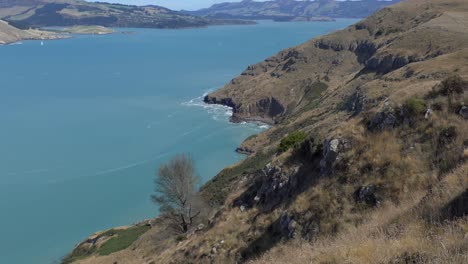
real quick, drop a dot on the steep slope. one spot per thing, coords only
(42, 13)
(372, 126)
(391, 39)
(293, 10)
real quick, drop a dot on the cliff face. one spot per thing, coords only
(381, 176)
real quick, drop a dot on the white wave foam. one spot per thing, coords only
(221, 112)
(217, 112)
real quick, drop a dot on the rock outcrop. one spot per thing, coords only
(332, 148)
(276, 186)
(464, 112)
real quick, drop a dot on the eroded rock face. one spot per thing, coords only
(356, 103)
(270, 107)
(386, 119)
(332, 148)
(464, 112)
(244, 150)
(363, 49)
(388, 63)
(264, 110)
(288, 225)
(222, 101)
(275, 187)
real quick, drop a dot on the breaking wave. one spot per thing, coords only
(217, 112)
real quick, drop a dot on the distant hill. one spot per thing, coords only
(292, 9)
(41, 13)
(10, 34)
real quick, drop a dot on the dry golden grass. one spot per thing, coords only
(391, 234)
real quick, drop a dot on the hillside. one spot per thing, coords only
(366, 161)
(9, 34)
(45, 13)
(287, 10)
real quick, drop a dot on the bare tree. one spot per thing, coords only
(176, 194)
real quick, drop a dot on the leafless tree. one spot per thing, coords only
(175, 192)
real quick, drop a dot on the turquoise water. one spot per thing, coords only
(85, 122)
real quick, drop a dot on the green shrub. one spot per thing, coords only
(416, 106)
(292, 140)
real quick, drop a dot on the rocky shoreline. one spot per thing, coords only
(266, 117)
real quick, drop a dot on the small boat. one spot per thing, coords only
(42, 43)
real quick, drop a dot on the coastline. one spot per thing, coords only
(236, 117)
(239, 120)
(99, 237)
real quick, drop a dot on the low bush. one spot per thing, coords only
(292, 140)
(415, 106)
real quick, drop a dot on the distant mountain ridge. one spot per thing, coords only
(44, 13)
(292, 9)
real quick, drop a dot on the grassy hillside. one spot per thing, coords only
(42, 13)
(10, 34)
(367, 158)
(291, 10)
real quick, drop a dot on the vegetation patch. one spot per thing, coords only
(415, 106)
(120, 239)
(293, 140)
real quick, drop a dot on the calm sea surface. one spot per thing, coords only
(85, 122)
